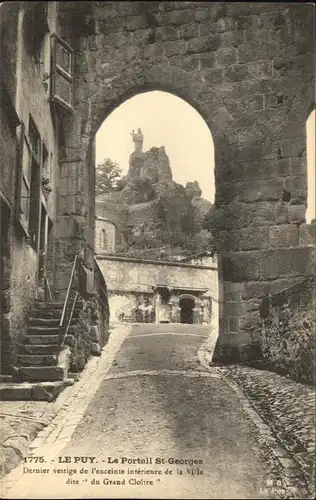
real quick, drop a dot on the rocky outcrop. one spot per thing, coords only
(136, 161)
(138, 190)
(156, 165)
(149, 208)
(193, 189)
(146, 170)
(202, 206)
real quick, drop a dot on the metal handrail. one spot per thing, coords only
(48, 289)
(70, 318)
(63, 334)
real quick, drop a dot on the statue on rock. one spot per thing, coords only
(138, 140)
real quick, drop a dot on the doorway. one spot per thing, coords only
(186, 310)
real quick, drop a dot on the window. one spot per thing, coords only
(35, 140)
(103, 238)
(45, 162)
(29, 187)
(61, 73)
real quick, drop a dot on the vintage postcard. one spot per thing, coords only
(157, 250)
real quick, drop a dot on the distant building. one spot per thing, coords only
(105, 234)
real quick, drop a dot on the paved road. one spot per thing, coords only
(161, 426)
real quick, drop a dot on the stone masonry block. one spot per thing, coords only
(222, 25)
(201, 14)
(233, 324)
(152, 51)
(235, 308)
(226, 56)
(297, 213)
(135, 22)
(208, 60)
(266, 169)
(253, 238)
(202, 44)
(263, 213)
(233, 291)
(260, 190)
(213, 76)
(281, 212)
(231, 38)
(283, 235)
(242, 266)
(307, 234)
(139, 38)
(174, 48)
(298, 166)
(187, 31)
(297, 186)
(178, 17)
(288, 262)
(254, 289)
(236, 73)
(251, 71)
(190, 63)
(170, 33)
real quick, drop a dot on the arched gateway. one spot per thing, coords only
(187, 305)
(197, 53)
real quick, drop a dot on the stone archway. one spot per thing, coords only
(89, 116)
(200, 56)
(187, 305)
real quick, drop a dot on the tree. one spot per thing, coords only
(106, 176)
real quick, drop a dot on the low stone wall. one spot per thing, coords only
(89, 331)
(287, 335)
(132, 307)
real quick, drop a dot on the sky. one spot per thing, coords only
(165, 120)
(311, 167)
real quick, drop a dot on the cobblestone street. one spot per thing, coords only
(151, 396)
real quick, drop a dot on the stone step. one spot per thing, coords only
(41, 339)
(42, 373)
(38, 349)
(37, 391)
(42, 330)
(37, 359)
(48, 314)
(45, 322)
(5, 378)
(49, 305)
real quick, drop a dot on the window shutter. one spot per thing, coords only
(62, 56)
(23, 185)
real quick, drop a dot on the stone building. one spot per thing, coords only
(105, 236)
(157, 291)
(29, 162)
(36, 79)
(247, 68)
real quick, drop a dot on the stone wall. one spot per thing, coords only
(287, 334)
(132, 307)
(8, 159)
(248, 70)
(132, 286)
(136, 275)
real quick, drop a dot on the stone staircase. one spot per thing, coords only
(42, 365)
